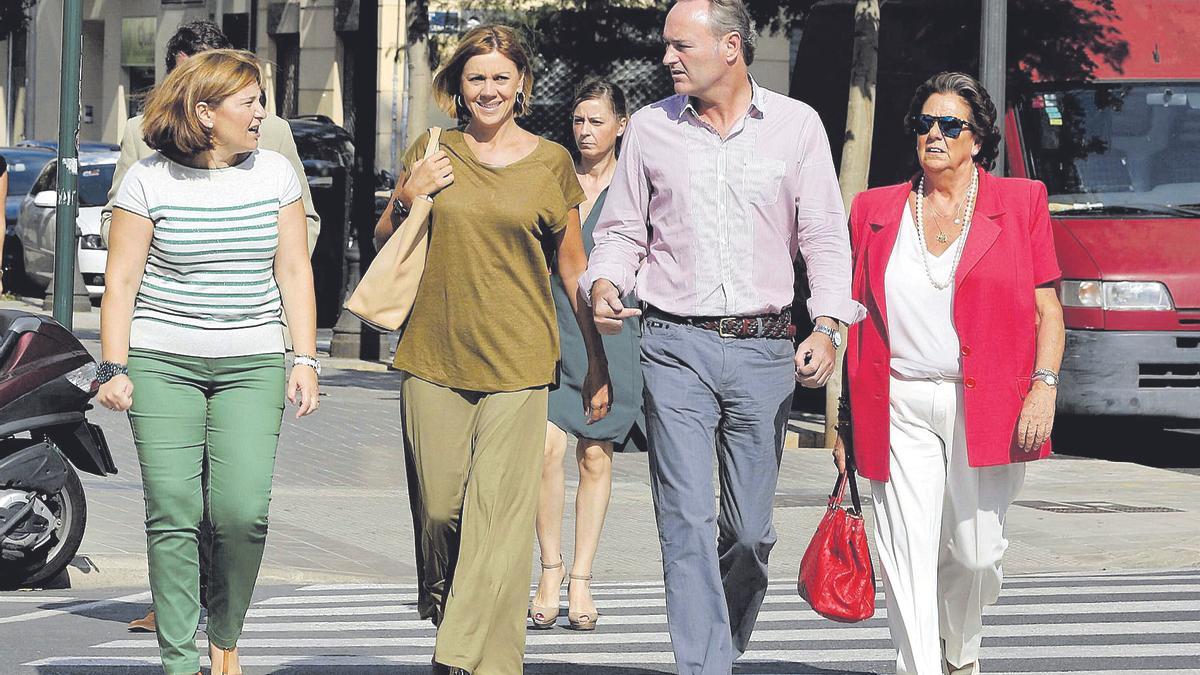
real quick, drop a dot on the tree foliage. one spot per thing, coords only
(1062, 39)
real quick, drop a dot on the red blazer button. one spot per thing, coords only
(969, 383)
(965, 351)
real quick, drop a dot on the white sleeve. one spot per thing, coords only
(289, 185)
(132, 195)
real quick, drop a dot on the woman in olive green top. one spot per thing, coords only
(480, 348)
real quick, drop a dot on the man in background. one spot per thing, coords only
(193, 38)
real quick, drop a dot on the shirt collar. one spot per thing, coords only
(687, 105)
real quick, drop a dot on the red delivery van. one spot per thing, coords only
(1120, 156)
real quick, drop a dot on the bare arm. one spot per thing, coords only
(427, 178)
(572, 263)
(128, 245)
(293, 274)
(1037, 414)
(1051, 331)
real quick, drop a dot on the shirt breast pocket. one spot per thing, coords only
(765, 176)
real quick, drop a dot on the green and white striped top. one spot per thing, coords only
(209, 287)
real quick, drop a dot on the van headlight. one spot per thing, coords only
(91, 242)
(1117, 295)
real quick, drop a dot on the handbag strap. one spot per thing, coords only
(850, 477)
(435, 137)
(852, 473)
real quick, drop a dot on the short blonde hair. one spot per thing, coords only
(169, 122)
(447, 84)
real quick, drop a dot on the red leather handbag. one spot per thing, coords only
(836, 576)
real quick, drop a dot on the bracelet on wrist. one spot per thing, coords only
(107, 370)
(307, 360)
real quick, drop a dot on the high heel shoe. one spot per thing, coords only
(224, 661)
(544, 618)
(581, 621)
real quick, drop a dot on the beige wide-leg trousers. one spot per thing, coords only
(939, 528)
(474, 462)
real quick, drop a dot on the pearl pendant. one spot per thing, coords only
(958, 221)
(941, 237)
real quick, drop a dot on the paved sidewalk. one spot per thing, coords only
(340, 512)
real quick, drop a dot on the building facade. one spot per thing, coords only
(309, 48)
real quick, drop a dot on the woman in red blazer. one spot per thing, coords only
(952, 375)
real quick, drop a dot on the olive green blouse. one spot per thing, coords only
(484, 316)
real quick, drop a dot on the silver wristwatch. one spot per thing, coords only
(1045, 375)
(834, 335)
(307, 360)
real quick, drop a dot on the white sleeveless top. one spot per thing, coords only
(920, 317)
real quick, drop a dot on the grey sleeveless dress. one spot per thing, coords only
(625, 424)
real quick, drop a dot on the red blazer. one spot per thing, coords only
(1009, 252)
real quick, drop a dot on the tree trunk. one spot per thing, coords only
(420, 75)
(856, 153)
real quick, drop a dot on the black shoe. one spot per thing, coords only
(439, 669)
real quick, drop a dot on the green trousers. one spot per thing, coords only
(190, 414)
(474, 463)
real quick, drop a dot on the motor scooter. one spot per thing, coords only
(47, 380)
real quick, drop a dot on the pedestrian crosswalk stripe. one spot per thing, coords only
(32, 599)
(1097, 624)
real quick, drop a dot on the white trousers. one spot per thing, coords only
(939, 529)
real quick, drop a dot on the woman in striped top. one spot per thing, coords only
(206, 252)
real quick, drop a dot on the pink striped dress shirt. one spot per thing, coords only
(698, 225)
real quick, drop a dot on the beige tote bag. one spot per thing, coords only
(384, 296)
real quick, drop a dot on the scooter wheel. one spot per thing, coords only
(45, 563)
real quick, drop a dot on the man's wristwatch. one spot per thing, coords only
(1045, 375)
(107, 370)
(833, 334)
(307, 360)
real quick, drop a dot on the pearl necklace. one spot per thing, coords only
(960, 245)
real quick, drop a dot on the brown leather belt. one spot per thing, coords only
(770, 326)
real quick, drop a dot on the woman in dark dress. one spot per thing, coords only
(598, 119)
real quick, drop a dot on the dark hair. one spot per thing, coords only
(447, 84)
(195, 37)
(600, 88)
(983, 110)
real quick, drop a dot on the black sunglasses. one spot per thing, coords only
(950, 126)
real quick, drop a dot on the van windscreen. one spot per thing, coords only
(1116, 148)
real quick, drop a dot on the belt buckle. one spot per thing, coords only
(727, 333)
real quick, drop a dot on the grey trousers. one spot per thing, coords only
(704, 391)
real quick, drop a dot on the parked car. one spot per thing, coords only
(327, 153)
(84, 146)
(36, 222)
(24, 165)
